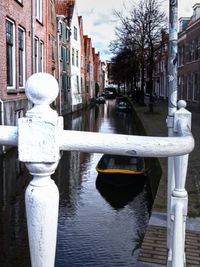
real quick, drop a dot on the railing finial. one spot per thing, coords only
(182, 104)
(41, 88)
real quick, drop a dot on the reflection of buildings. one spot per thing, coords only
(13, 233)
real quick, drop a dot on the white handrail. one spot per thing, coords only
(142, 146)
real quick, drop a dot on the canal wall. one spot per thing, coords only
(154, 165)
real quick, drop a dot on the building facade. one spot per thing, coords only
(16, 58)
(45, 36)
(189, 58)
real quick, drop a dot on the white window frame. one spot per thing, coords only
(36, 41)
(13, 86)
(24, 61)
(39, 10)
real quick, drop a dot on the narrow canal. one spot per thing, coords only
(97, 226)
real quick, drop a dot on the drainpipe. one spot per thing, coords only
(2, 120)
(59, 19)
(32, 37)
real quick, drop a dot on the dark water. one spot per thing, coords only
(98, 225)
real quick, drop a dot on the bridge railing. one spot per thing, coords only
(40, 139)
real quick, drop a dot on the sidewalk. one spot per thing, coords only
(153, 251)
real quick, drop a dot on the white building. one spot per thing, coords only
(75, 52)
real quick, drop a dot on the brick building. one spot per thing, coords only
(82, 62)
(89, 72)
(189, 58)
(63, 55)
(44, 36)
(16, 61)
(161, 68)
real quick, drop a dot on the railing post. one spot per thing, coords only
(179, 198)
(38, 141)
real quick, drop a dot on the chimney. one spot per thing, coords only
(183, 23)
(196, 11)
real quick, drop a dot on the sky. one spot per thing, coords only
(99, 22)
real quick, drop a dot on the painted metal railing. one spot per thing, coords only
(40, 138)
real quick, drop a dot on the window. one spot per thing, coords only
(77, 83)
(75, 33)
(67, 55)
(52, 49)
(21, 54)
(41, 56)
(35, 55)
(198, 48)
(68, 83)
(52, 15)
(72, 56)
(39, 10)
(77, 58)
(64, 58)
(10, 53)
(67, 33)
(189, 87)
(63, 32)
(196, 87)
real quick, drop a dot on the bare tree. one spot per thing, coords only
(142, 29)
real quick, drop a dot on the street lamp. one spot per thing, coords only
(172, 107)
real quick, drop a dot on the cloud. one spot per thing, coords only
(103, 18)
(99, 22)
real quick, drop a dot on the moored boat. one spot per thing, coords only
(123, 104)
(121, 170)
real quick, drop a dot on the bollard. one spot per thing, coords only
(38, 141)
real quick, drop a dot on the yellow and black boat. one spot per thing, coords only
(121, 170)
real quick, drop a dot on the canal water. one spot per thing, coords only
(98, 225)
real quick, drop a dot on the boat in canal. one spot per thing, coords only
(123, 104)
(121, 170)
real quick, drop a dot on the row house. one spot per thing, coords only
(82, 62)
(16, 58)
(89, 69)
(62, 50)
(189, 58)
(45, 36)
(24, 50)
(160, 77)
(75, 60)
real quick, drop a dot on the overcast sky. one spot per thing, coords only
(99, 22)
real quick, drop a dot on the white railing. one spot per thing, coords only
(40, 138)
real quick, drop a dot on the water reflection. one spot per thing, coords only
(118, 197)
(97, 227)
(13, 232)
